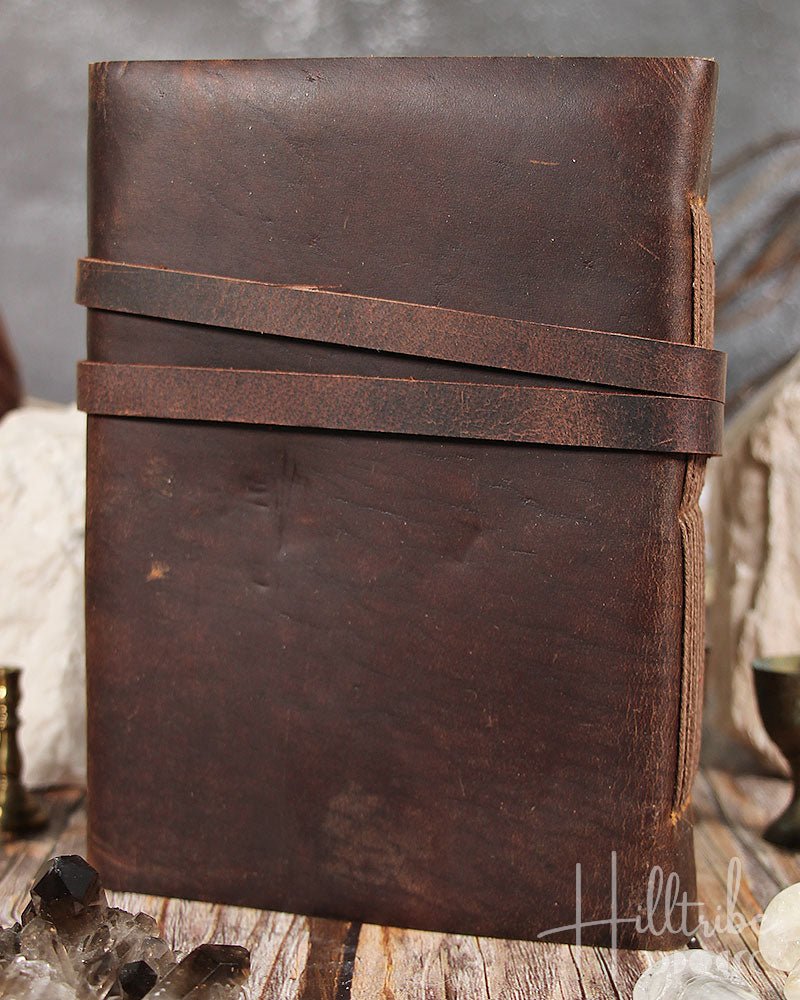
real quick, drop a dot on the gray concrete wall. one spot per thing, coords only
(45, 46)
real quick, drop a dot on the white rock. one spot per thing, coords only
(754, 520)
(692, 975)
(791, 989)
(42, 484)
(779, 934)
(709, 988)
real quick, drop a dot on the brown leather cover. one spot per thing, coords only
(397, 677)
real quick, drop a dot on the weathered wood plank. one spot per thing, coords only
(330, 958)
(746, 805)
(295, 958)
(716, 845)
(398, 964)
(624, 968)
(522, 969)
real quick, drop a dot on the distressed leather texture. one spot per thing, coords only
(396, 677)
(433, 408)
(595, 357)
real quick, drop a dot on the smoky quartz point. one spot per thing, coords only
(205, 973)
(66, 887)
(71, 945)
(67, 893)
(136, 980)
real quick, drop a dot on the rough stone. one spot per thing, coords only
(707, 988)
(692, 975)
(791, 988)
(754, 519)
(42, 484)
(779, 933)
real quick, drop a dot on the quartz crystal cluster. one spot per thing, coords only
(70, 944)
(699, 975)
(692, 975)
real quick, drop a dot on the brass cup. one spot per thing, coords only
(778, 692)
(20, 813)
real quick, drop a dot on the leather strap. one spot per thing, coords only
(574, 417)
(307, 313)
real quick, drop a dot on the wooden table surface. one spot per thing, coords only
(306, 958)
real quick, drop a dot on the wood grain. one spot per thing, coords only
(299, 958)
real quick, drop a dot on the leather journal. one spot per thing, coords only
(400, 389)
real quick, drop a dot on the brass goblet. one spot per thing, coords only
(778, 691)
(20, 812)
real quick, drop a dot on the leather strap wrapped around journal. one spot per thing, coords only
(401, 387)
